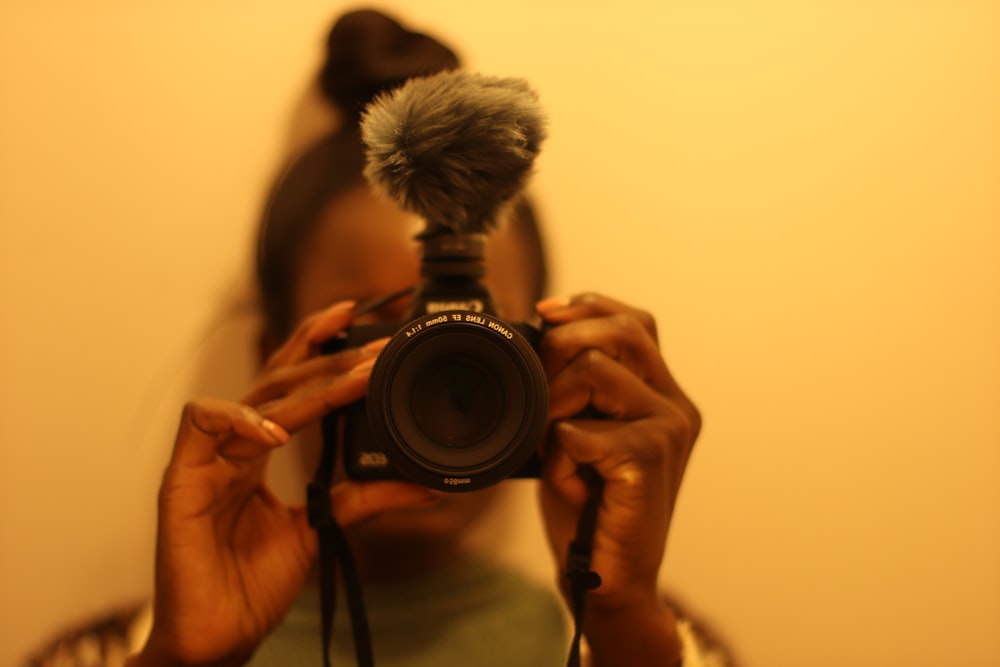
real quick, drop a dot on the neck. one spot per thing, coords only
(380, 562)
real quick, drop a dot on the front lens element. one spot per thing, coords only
(458, 403)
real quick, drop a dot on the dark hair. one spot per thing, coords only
(367, 53)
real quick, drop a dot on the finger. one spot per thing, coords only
(311, 333)
(561, 463)
(621, 336)
(594, 379)
(621, 453)
(558, 310)
(641, 473)
(283, 380)
(209, 425)
(626, 453)
(352, 502)
(309, 402)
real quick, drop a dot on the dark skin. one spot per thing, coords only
(604, 355)
(231, 557)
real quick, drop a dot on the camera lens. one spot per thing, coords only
(459, 404)
(457, 401)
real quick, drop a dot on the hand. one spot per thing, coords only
(604, 355)
(230, 556)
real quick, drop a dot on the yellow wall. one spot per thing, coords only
(806, 194)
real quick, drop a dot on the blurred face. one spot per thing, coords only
(363, 248)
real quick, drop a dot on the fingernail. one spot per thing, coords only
(363, 367)
(552, 304)
(279, 434)
(567, 427)
(376, 345)
(343, 306)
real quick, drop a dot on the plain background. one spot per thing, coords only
(806, 194)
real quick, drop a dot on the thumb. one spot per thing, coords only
(353, 502)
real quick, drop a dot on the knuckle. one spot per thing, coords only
(263, 410)
(630, 326)
(624, 321)
(249, 414)
(274, 383)
(590, 361)
(633, 330)
(166, 491)
(304, 331)
(694, 415)
(685, 424)
(308, 323)
(585, 299)
(647, 322)
(195, 408)
(650, 453)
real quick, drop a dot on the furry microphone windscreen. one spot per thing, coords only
(454, 147)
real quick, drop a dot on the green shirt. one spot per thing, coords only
(475, 614)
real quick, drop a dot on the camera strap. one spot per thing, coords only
(334, 550)
(581, 578)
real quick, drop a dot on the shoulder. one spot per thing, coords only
(703, 646)
(102, 641)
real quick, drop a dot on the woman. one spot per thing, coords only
(234, 562)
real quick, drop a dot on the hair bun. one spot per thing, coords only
(368, 53)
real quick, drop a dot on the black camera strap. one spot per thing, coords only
(334, 550)
(581, 578)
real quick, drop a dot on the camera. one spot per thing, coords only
(458, 398)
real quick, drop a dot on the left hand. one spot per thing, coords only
(604, 355)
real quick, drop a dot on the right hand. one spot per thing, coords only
(230, 556)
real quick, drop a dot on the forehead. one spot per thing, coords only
(363, 247)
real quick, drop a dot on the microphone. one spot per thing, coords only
(454, 147)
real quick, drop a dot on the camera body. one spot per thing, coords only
(458, 398)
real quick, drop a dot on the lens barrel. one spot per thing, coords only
(457, 400)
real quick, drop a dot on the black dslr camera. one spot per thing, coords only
(458, 399)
